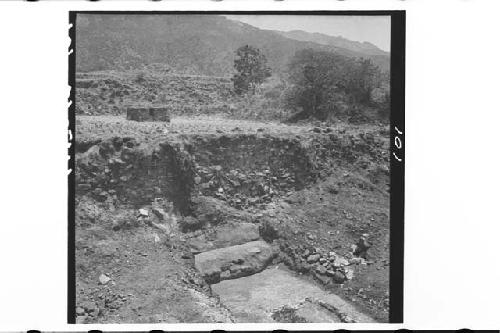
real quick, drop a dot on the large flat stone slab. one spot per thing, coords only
(254, 299)
(314, 313)
(234, 261)
(224, 236)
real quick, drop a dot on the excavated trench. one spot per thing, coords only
(238, 172)
(250, 170)
(242, 170)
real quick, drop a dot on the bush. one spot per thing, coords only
(251, 69)
(323, 83)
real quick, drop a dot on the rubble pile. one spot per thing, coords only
(244, 189)
(248, 170)
(348, 148)
(325, 267)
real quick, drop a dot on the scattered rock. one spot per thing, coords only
(156, 238)
(340, 262)
(302, 267)
(143, 212)
(160, 213)
(356, 261)
(338, 277)
(84, 187)
(322, 278)
(321, 269)
(346, 319)
(90, 308)
(330, 273)
(362, 246)
(349, 273)
(311, 236)
(225, 275)
(313, 258)
(104, 279)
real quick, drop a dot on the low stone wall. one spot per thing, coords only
(86, 83)
(148, 114)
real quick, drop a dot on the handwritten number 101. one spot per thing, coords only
(398, 143)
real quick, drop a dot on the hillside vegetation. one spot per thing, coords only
(195, 44)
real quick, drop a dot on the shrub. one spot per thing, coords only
(251, 69)
(322, 83)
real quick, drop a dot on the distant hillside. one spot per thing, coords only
(196, 44)
(365, 48)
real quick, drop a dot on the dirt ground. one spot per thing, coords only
(312, 190)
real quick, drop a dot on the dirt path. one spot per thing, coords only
(103, 127)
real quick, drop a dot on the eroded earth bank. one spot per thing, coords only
(214, 220)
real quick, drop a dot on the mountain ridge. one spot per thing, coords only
(339, 41)
(193, 44)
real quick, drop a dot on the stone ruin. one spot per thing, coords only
(148, 114)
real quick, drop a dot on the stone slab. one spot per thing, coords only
(234, 261)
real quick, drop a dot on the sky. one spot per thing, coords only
(373, 29)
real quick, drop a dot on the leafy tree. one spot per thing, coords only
(362, 80)
(251, 67)
(315, 77)
(325, 83)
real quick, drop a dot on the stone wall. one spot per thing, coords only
(121, 170)
(148, 114)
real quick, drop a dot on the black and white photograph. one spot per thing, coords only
(236, 167)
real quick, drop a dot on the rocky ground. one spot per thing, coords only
(110, 92)
(171, 215)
